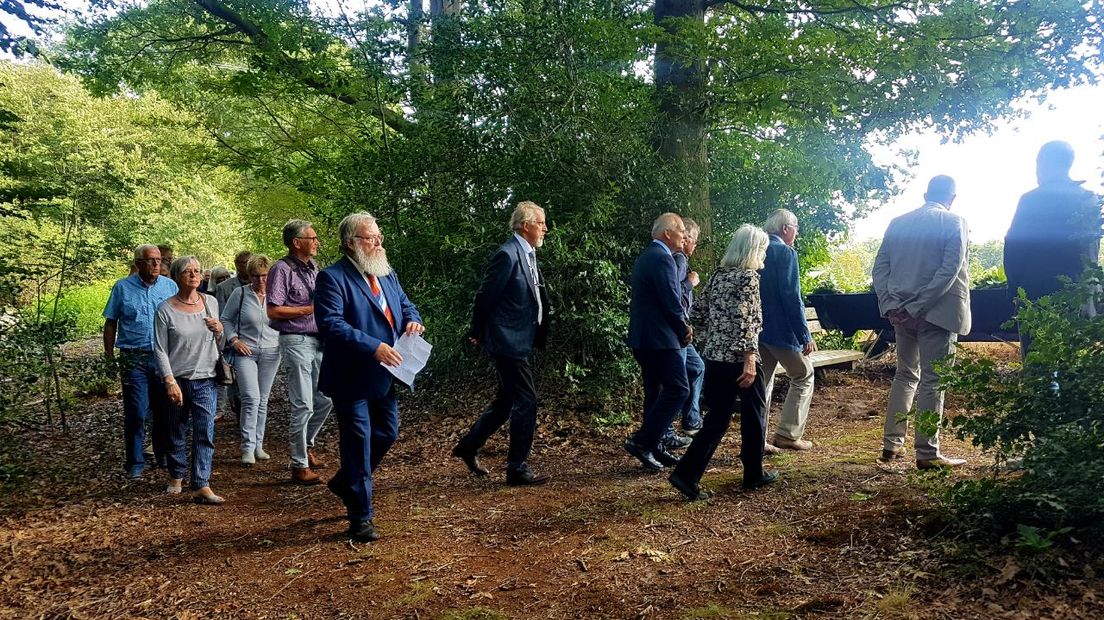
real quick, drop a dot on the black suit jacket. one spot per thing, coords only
(504, 319)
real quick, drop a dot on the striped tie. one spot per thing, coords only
(374, 283)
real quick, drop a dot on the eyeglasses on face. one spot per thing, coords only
(149, 261)
(371, 239)
(312, 239)
(190, 272)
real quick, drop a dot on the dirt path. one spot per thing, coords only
(839, 536)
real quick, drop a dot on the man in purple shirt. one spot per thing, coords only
(291, 312)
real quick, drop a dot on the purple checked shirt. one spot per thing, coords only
(291, 283)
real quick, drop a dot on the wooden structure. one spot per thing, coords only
(830, 358)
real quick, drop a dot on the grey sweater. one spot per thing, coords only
(185, 348)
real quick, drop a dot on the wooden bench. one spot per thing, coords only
(829, 358)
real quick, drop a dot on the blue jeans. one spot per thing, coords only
(200, 402)
(695, 376)
(367, 428)
(255, 376)
(144, 398)
(309, 408)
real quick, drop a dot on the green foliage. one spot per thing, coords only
(1050, 415)
(833, 339)
(439, 123)
(86, 304)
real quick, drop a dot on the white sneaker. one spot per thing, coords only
(247, 458)
(261, 454)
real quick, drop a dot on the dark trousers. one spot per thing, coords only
(720, 392)
(366, 430)
(515, 401)
(144, 397)
(665, 391)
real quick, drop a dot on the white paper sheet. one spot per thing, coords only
(415, 353)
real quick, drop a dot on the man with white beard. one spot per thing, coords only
(361, 311)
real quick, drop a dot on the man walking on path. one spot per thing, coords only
(128, 327)
(509, 319)
(785, 338)
(290, 306)
(362, 312)
(658, 333)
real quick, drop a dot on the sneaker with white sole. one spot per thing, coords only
(247, 458)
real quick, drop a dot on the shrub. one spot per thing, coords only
(1050, 415)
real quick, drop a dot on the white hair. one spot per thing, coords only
(748, 248)
(525, 212)
(349, 225)
(140, 251)
(666, 221)
(778, 220)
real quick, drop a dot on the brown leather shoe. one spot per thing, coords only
(314, 462)
(790, 444)
(939, 462)
(304, 476)
(895, 454)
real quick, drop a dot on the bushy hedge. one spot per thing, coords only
(1046, 421)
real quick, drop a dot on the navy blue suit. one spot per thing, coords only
(505, 321)
(352, 324)
(657, 334)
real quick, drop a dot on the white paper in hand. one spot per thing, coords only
(415, 353)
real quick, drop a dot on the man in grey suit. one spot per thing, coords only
(921, 278)
(509, 319)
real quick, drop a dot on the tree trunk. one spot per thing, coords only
(683, 107)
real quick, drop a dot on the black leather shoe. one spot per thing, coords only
(768, 478)
(644, 456)
(365, 531)
(665, 457)
(691, 491)
(676, 442)
(471, 460)
(525, 478)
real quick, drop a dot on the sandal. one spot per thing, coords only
(208, 500)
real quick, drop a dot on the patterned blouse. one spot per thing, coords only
(728, 316)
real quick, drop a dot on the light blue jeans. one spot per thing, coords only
(255, 373)
(309, 407)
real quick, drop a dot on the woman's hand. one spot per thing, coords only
(240, 347)
(748, 376)
(213, 324)
(176, 397)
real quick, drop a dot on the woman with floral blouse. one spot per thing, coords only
(727, 319)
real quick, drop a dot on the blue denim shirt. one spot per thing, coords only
(133, 306)
(783, 309)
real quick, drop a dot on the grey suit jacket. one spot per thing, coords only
(922, 268)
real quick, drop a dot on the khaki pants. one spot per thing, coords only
(795, 412)
(917, 350)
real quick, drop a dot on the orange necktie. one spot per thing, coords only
(374, 283)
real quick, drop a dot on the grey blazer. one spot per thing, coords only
(922, 268)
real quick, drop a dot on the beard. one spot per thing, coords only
(372, 263)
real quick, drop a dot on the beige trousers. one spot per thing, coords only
(917, 350)
(795, 411)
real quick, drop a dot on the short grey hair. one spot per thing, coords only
(692, 227)
(666, 221)
(219, 272)
(778, 220)
(180, 264)
(747, 249)
(140, 251)
(349, 225)
(525, 212)
(293, 229)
